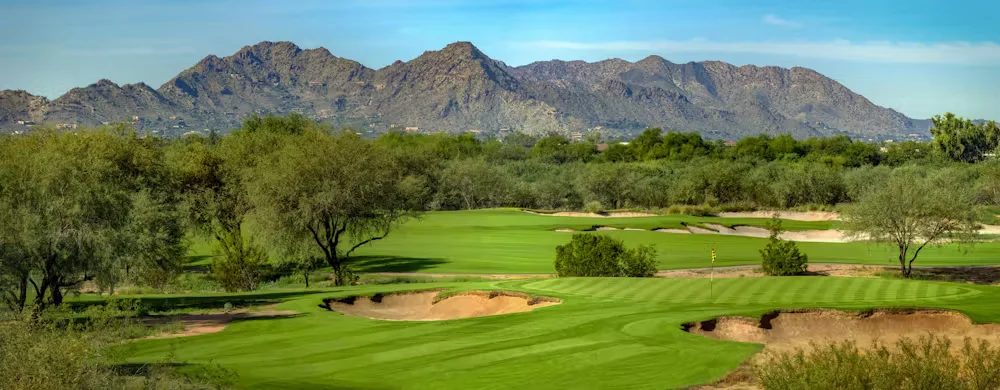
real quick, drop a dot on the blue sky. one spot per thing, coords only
(920, 57)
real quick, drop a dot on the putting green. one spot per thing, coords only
(512, 241)
(622, 333)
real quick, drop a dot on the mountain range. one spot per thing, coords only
(459, 88)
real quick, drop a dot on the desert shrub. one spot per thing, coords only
(593, 207)
(600, 255)
(240, 271)
(926, 363)
(63, 349)
(781, 257)
(697, 211)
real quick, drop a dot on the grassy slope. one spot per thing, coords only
(510, 241)
(622, 333)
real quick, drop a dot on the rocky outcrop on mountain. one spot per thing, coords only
(718, 96)
(459, 88)
(21, 106)
(106, 102)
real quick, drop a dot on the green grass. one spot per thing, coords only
(621, 333)
(511, 241)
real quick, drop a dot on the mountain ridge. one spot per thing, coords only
(459, 88)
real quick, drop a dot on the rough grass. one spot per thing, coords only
(608, 332)
(926, 363)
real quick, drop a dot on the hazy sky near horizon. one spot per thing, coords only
(920, 57)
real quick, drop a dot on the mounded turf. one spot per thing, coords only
(621, 333)
(512, 241)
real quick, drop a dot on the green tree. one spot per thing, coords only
(781, 257)
(963, 140)
(648, 145)
(473, 183)
(327, 196)
(213, 182)
(910, 212)
(80, 201)
(600, 255)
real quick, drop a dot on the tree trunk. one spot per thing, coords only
(57, 296)
(305, 274)
(902, 262)
(16, 300)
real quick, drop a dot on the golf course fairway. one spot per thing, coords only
(606, 333)
(513, 241)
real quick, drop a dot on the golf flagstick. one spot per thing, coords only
(711, 279)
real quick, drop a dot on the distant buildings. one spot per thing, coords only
(25, 123)
(576, 136)
(66, 126)
(413, 129)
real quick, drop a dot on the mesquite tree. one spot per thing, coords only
(328, 196)
(75, 208)
(910, 212)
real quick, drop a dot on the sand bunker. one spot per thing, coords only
(674, 231)
(594, 215)
(759, 232)
(789, 330)
(743, 231)
(426, 306)
(790, 215)
(199, 324)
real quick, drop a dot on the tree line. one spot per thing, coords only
(112, 207)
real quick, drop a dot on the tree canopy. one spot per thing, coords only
(910, 211)
(328, 195)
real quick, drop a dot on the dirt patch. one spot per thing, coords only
(199, 324)
(427, 306)
(811, 216)
(752, 271)
(790, 330)
(566, 230)
(816, 236)
(759, 232)
(989, 229)
(985, 275)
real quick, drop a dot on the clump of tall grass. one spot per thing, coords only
(929, 362)
(62, 348)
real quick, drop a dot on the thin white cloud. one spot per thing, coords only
(965, 53)
(774, 20)
(127, 51)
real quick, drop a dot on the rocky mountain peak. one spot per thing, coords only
(459, 87)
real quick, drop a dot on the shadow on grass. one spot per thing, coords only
(985, 275)
(209, 301)
(143, 369)
(393, 264)
(197, 263)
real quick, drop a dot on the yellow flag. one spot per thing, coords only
(713, 255)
